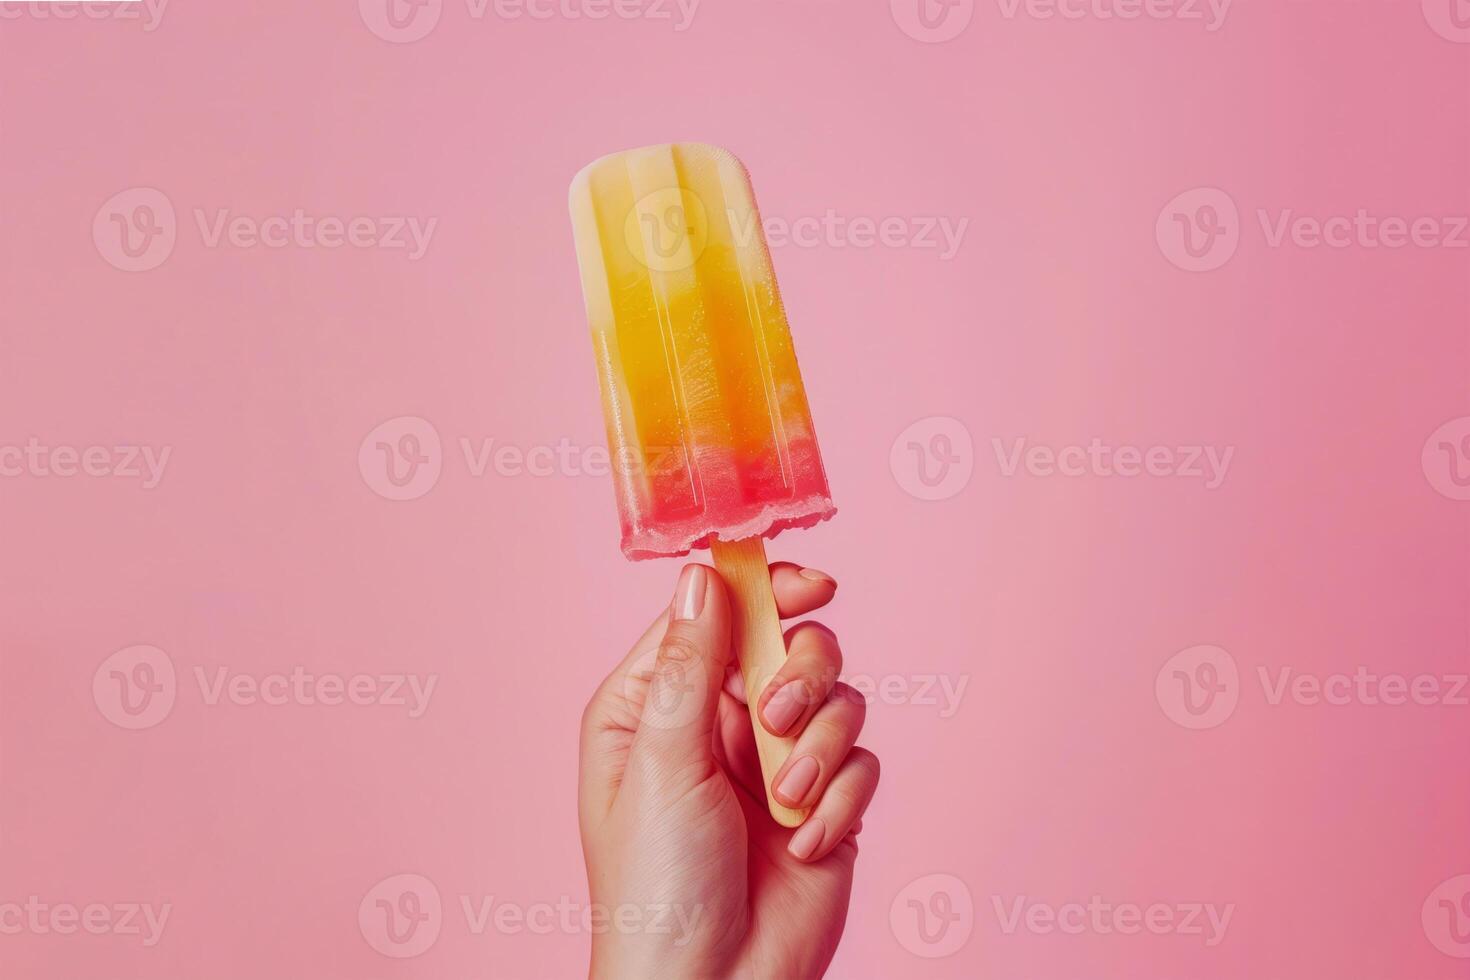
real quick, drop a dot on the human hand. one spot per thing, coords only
(675, 828)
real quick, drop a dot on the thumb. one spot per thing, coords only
(679, 710)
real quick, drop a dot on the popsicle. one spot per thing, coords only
(707, 419)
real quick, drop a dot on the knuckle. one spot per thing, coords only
(836, 728)
(678, 660)
(844, 693)
(816, 636)
(866, 764)
(675, 653)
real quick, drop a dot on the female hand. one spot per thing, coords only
(697, 879)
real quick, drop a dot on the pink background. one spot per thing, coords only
(1329, 545)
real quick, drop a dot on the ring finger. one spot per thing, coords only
(821, 748)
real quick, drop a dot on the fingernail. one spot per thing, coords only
(816, 576)
(689, 594)
(807, 838)
(784, 707)
(798, 780)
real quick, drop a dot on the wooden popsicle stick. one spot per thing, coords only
(761, 648)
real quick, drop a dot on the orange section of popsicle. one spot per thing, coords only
(707, 417)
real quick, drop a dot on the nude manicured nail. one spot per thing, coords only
(816, 576)
(807, 839)
(799, 779)
(784, 707)
(689, 594)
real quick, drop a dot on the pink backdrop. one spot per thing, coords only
(1136, 336)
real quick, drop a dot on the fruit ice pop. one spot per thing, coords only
(707, 418)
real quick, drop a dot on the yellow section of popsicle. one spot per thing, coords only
(707, 417)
